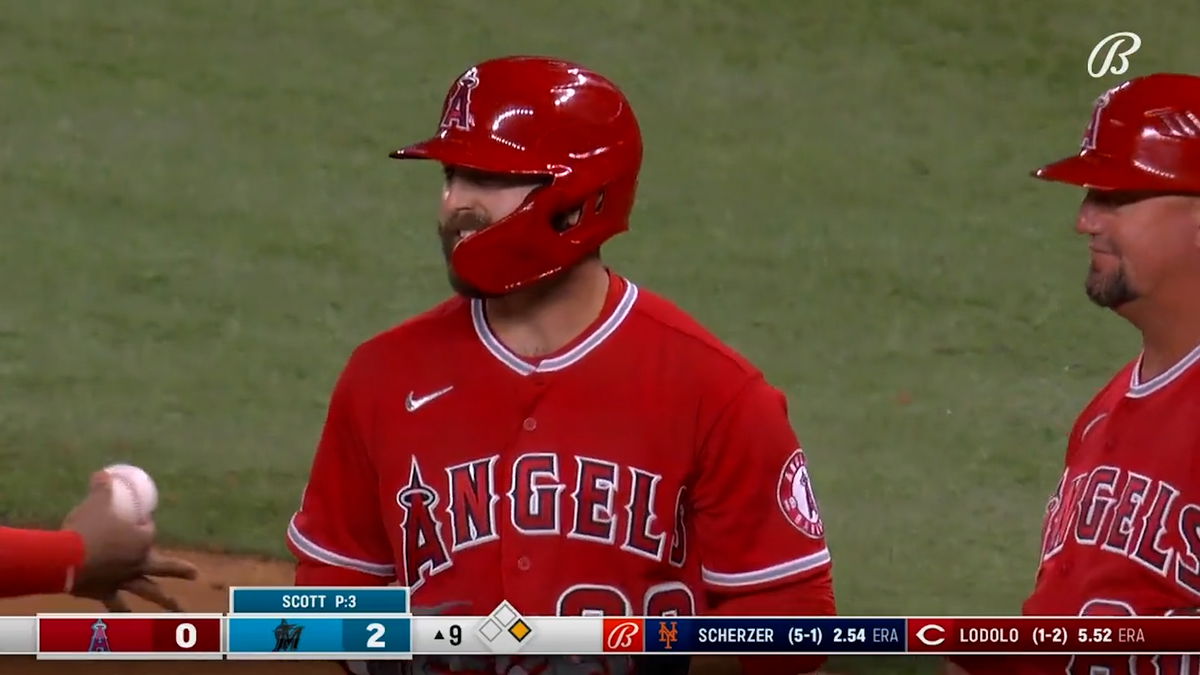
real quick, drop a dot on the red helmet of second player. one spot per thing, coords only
(543, 118)
(1144, 134)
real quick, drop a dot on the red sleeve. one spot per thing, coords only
(338, 534)
(38, 561)
(762, 543)
(757, 521)
(811, 595)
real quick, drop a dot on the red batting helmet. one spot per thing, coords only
(1144, 135)
(546, 118)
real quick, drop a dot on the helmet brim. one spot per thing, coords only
(493, 159)
(1097, 172)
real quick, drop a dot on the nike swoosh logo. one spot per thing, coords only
(412, 404)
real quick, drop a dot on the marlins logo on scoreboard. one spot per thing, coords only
(796, 496)
(287, 636)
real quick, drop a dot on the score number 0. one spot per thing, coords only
(185, 635)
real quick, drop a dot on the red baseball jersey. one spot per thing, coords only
(632, 472)
(38, 561)
(1122, 531)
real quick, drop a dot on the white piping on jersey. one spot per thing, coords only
(1092, 424)
(324, 555)
(773, 573)
(1139, 389)
(505, 356)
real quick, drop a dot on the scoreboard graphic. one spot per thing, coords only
(282, 623)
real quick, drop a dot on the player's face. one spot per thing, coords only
(1140, 241)
(471, 201)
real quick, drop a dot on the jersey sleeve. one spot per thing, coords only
(38, 561)
(338, 535)
(756, 515)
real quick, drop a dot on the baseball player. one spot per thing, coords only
(95, 555)
(554, 435)
(1122, 531)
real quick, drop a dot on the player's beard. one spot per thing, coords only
(1109, 290)
(448, 233)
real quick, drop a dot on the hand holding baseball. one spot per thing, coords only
(118, 535)
(134, 494)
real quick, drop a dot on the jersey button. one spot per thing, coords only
(524, 563)
(529, 424)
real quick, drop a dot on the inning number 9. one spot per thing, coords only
(376, 639)
(185, 636)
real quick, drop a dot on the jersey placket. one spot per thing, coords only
(521, 570)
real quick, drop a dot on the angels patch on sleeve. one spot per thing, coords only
(796, 497)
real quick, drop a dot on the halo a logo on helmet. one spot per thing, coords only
(796, 497)
(457, 114)
(1093, 128)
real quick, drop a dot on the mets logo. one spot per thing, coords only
(457, 112)
(796, 497)
(668, 636)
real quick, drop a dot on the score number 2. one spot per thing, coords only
(376, 635)
(377, 631)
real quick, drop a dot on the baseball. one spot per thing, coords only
(134, 495)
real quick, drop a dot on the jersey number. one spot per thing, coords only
(669, 599)
(1129, 665)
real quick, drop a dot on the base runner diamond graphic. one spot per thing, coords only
(504, 629)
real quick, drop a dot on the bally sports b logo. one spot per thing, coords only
(623, 635)
(457, 112)
(1120, 46)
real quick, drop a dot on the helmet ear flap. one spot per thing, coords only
(569, 219)
(566, 220)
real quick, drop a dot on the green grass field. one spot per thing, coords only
(200, 222)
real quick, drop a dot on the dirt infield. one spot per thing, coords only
(210, 593)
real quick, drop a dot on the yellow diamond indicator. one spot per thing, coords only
(520, 629)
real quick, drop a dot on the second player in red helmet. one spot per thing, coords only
(1121, 534)
(553, 435)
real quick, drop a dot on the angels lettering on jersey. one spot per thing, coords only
(470, 498)
(1126, 511)
(1127, 514)
(543, 501)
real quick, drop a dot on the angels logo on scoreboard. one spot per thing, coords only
(796, 497)
(99, 641)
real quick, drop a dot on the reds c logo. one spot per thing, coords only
(796, 497)
(458, 104)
